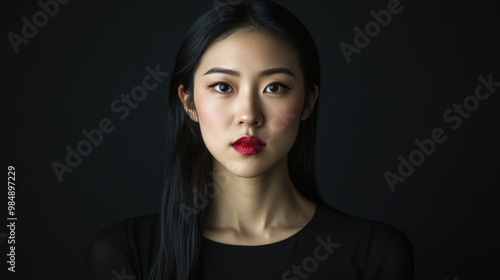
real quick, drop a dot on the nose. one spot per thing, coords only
(248, 109)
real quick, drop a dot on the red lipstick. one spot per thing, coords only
(249, 145)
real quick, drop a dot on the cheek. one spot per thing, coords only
(208, 116)
(284, 120)
(211, 119)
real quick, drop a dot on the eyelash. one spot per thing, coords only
(217, 84)
(283, 86)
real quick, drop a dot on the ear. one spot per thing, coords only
(309, 106)
(185, 99)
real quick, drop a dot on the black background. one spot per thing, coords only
(370, 111)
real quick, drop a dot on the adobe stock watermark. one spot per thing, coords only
(121, 276)
(29, 30)
(222, 7)
(122, 108)
(372, 29)
(454, 117)
(201, 200)
(279, 120)
(310, 264)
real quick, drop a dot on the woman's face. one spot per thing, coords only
(249, 83)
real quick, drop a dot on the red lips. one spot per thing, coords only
(249, 145)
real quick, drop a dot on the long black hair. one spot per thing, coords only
(187, 189)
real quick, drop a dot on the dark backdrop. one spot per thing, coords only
(394, 91)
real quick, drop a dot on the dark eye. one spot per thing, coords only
(276, 87)
(222, 87)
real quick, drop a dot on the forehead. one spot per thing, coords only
(249, 50)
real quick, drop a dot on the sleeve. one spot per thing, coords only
(389, 255)
(108, 256)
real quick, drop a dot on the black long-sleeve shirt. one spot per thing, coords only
(331, 246)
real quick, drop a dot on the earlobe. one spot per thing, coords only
(313, 97)
(185, 99)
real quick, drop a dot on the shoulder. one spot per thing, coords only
(343, 224)
(127, 245)
(389, 239)
(118, 233)
(385, 252)
(377, 231)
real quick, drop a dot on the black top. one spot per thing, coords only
(331, 246)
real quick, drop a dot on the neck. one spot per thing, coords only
(256, 206)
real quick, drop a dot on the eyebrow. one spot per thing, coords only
(268, 72)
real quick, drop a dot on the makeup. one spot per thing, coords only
(249, 145)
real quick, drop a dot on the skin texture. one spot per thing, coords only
(255, 201)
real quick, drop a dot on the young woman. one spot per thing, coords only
(240, 198)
